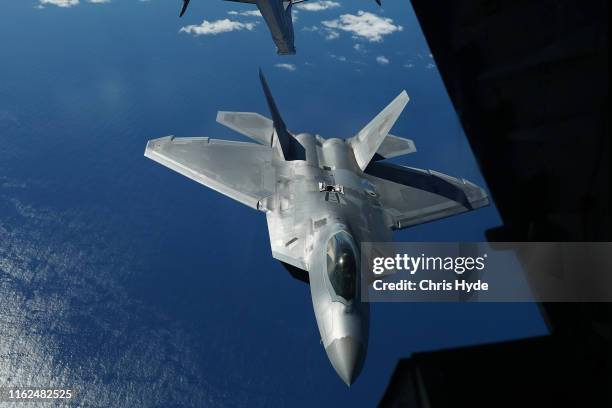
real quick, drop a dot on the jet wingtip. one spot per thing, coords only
(151, 146)
(220, 116)
(157, 142)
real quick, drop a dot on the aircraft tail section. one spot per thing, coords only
(366, 143)
(290, 148)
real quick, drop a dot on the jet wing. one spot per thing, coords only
(239, 170)
(413, 196)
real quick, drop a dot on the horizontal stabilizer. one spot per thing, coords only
(394, 146)
(253, 125)
(367, 142)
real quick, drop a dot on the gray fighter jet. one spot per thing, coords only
(277, 14)
(322, 199)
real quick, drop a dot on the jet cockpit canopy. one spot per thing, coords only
(342, 265)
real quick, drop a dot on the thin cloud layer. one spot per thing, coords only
(364, 25)
(217, 27)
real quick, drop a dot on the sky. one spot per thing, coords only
(140, 287)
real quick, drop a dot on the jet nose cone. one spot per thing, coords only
(347, 356)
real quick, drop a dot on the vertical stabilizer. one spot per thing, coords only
(291, 148)
(368, 140)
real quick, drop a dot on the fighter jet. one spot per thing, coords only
(277, 14)
(322, 199)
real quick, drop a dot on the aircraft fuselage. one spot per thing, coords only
(330, 195)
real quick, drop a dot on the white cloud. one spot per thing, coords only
(288, 67)
(318, 5)
(59, 3)
(409, 65)
(249, 13)
(217, 27)
(364, 25)
(342, 58)
(382, 60)
(332, 35)
(67, 3)
(338, 57)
